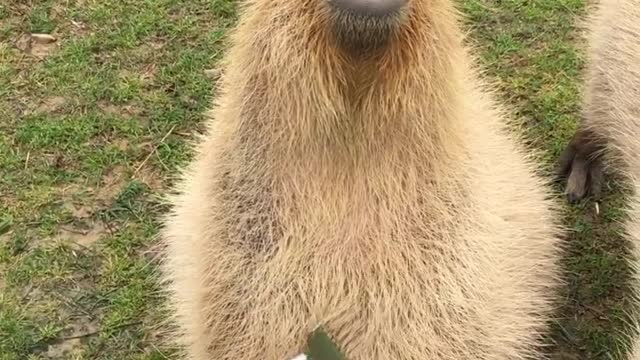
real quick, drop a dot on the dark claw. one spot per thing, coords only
(580, 165)
(573, 198)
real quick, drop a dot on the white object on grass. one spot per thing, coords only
(301, 357)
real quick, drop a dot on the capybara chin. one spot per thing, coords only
(364, 25)
(369, 187)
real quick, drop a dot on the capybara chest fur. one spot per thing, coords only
(370, 186)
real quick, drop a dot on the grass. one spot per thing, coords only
(91, 132)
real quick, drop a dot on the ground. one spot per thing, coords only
(95, 121)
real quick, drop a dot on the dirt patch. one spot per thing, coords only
(88, 198)
(149, 74)
(71, 343)
(109, 108)
(119, 110)
(156, 44)
(38, 45)
(145, 75)
(51, 104)
(79, 28)
(83, 237)
(148, 49)
(150, 177)
(64, 350)
(113, 182)
(79, 211)
(121, 144)
(73, 190)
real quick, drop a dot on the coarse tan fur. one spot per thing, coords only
(378, 194)
(610, 126)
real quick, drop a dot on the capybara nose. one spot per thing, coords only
(376, 8)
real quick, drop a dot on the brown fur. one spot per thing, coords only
(581, 164)
(378, 194)
(611, 109)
